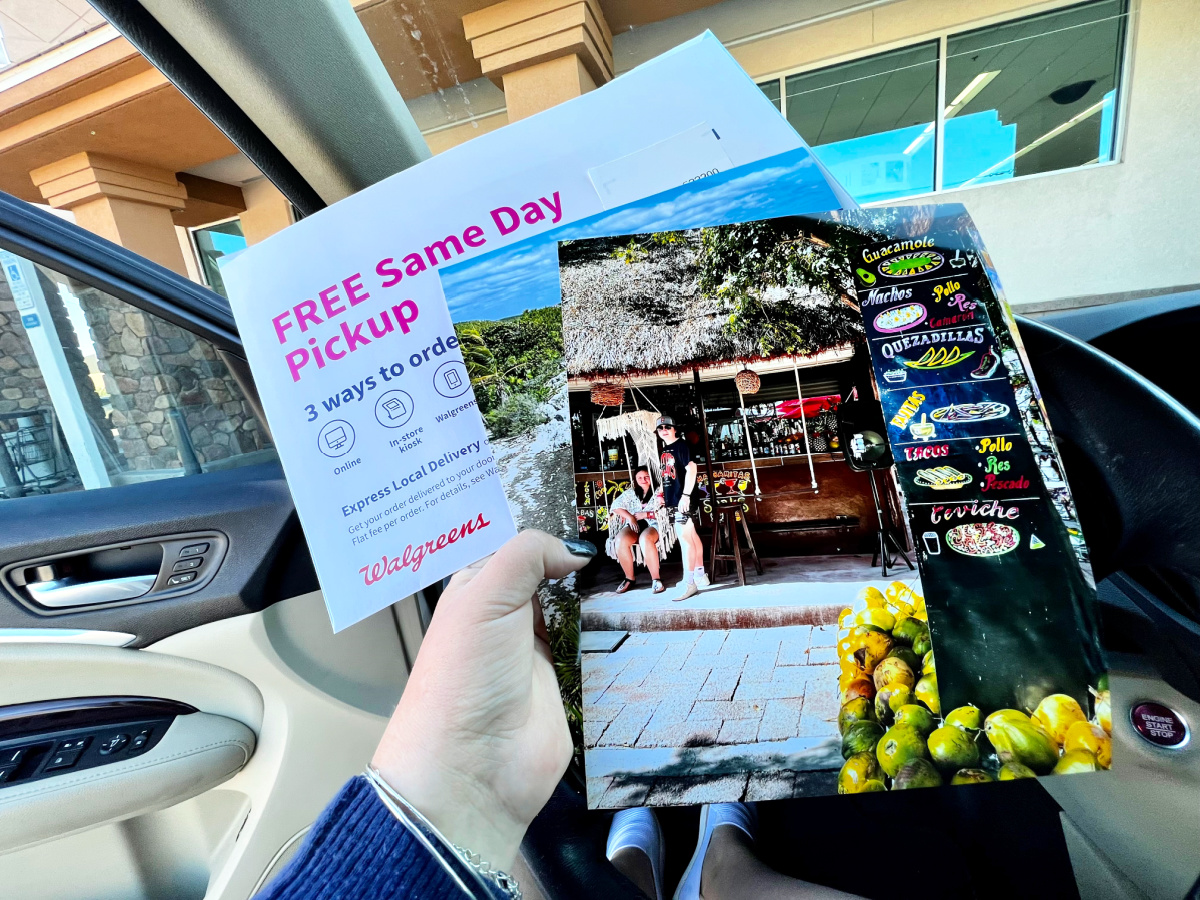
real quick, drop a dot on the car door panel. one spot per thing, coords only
(266, 559)
(198, 752)
(310, 706)
(36, 672)
(326, 699)
(285, 710)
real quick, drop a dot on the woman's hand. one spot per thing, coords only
(480, 739)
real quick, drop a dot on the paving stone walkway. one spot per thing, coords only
(690, 716)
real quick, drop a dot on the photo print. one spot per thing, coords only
(690, 701)
(773, 425)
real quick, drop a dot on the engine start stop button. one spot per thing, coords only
(1159, 725)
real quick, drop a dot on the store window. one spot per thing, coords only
(789, 416)
(871, 121)
(771, 89)
(1035, 95)
(214, 241)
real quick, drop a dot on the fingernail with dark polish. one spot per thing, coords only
(579, 548)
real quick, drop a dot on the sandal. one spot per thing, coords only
(657, 587)
(626, 584)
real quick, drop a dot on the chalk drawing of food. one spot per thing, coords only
(900, 318)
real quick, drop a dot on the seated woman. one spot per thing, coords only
(632, 521)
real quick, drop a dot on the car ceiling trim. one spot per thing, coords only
(155, 43)
(307, 74)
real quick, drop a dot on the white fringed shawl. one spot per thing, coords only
(638, 425)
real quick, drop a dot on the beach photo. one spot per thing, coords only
(772, 424)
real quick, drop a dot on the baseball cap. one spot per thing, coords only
(662, 421)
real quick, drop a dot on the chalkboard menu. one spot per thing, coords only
(1011, 602)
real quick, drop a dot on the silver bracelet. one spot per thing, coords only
(426, 834)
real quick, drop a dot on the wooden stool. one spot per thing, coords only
(730, 516)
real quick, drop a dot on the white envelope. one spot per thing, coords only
(353, 352)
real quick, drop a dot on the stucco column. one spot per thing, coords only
(128, 203)
(541, 52)
(267, 211)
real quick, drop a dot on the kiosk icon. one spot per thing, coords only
(394, 408)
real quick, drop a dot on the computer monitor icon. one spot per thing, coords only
(394, 406)
(336, 438)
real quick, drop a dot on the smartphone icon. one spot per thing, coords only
(933, 544)
(453, 379)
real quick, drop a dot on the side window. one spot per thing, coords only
(95, 392)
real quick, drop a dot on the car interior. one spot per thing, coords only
(174, 630)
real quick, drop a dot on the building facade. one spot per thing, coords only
(1059, 125)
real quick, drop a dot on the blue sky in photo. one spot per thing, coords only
(524, 275)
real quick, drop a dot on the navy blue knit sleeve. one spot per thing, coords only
(357, 849)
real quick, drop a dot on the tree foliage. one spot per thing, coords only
(513, 364)
(742, 262)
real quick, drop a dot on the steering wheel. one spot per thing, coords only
(1131, 453)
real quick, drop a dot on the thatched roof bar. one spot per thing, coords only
(642, 315)
(715, 371)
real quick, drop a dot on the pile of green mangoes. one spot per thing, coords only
(894, 735)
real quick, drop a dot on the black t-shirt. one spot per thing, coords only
(674, 462)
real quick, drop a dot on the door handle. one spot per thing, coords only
(68, 592)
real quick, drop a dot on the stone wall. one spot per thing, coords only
(172, 402)
(157, 374)
(21, 383)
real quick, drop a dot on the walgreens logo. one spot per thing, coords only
(414, 554)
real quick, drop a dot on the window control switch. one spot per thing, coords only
(71, 746)
(60, 760)
(7, 773)
(140, 740)
(12, 756)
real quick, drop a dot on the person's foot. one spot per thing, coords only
(637, 830)
(700, 577)
(712, 816)
(689, 590)
(625, 585)
(657, 587)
